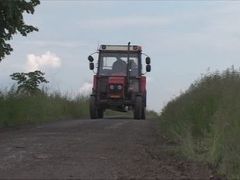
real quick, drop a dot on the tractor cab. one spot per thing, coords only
(119, 83)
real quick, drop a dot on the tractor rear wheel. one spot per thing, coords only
(93, 108)
(144, 113)
(138, 108)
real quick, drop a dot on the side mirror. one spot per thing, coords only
(148, 67)
(91, 66)
(90, 58)
(148, 60)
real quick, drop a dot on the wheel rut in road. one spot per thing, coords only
(93, 149)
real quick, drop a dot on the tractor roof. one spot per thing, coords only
(133, 48)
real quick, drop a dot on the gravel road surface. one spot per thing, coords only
(93, 149)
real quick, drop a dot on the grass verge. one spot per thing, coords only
(18, 109)
(205, 121)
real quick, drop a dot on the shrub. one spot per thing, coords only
(205, 121)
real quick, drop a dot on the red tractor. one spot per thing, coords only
(119, 83)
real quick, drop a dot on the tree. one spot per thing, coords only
(28, 83)
(12, 22)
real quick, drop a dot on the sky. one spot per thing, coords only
(185, 39)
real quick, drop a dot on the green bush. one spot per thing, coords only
(205, 121)
(18, 109)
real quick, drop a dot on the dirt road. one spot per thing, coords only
(92, 149)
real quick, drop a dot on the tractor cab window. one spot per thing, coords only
(116, 64)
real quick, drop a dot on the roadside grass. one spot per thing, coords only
(205, 121)
(150, 114)
(19, 109)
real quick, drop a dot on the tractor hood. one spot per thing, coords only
(117, 80)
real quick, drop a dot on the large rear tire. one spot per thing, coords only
(144, 113)
(138, 108)
(93, 108)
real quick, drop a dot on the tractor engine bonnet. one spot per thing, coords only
(116, 80)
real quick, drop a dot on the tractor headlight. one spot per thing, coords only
(111, 87)
(119, 87)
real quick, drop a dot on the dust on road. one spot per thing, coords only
(93, 149)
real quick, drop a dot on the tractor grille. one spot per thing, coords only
(115, 88)
(104, 87)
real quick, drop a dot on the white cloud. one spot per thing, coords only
(86, 88)
(49, 60)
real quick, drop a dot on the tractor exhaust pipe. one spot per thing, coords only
(128, 66)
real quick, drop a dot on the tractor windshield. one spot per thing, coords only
(116, 64)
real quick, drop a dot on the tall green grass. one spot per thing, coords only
(18, 109)
(205, 121)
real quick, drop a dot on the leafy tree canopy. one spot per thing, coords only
(11, 21)
(28, 83)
